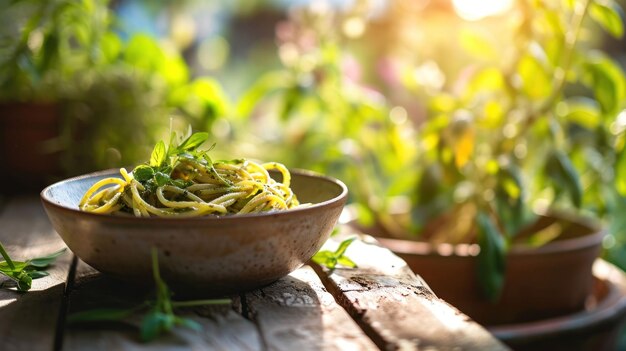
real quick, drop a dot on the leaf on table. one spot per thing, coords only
(155, 323)
(23, 273)
(37, 274)
(17, 266)
(45, 261)
(330, 259)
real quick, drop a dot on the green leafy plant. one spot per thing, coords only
(43, 44)
(23, 272)
(330, 259)
(309, 114)
(72, 58)
(160, 316)
(534, 131)
(527, 123)
(164, 159)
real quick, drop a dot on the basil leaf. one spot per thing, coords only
(161, 178)
(330, 259)
(159, 154)
(38, 274)
(194, 141)
(345, 261)
(17, 266)
(45, 261)
(344, 246)
(143, 173)
(154, 324)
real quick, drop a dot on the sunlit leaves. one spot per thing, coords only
(203, 100)
(608, 14)
(536, 81)
(267, 85)
(110, 46)
(463, 147)
(564, 175)
(159, 154)
(510, 196)
(477, 44)
(582, 111)
(620, 172)
(488, 79)
(143, 52)
(606, 79)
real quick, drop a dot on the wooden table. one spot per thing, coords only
(380, 305)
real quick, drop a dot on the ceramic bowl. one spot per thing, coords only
(214, 254)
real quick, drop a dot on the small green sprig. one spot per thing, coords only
(183, 152)
(330, 259)
(159, 318)
(23, 272)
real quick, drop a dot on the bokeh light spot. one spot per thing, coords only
(474, 10)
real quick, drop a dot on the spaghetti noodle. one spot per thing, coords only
(182, 181)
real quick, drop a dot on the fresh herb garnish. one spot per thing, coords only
(330, 259)
(181, 154)
(160, 317)
(23, 272)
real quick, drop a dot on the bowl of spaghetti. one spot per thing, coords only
(219, 227)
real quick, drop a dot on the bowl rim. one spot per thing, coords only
(336, 200)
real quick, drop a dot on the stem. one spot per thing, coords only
(201, 302)
(571, 38)
(163, 301)
(6, 257)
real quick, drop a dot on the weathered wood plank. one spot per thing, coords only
(28, 320)
(297, 313)
(222, 328)
(395, 307)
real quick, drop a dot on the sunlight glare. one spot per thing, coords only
(473, 10)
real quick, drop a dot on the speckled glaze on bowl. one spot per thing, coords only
(213, 254)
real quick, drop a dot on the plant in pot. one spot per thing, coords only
(316, 113)
(43, 45)
(73, 94)
(514, 160)
(516, 165)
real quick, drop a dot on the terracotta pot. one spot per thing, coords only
(25, 128)
(540, 282)
(597, 327)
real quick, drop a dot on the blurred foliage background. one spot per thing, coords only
(493, 109)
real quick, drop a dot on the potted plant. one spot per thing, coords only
(510, 160)
(75, 97)
(43, 45)
(519, 143)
